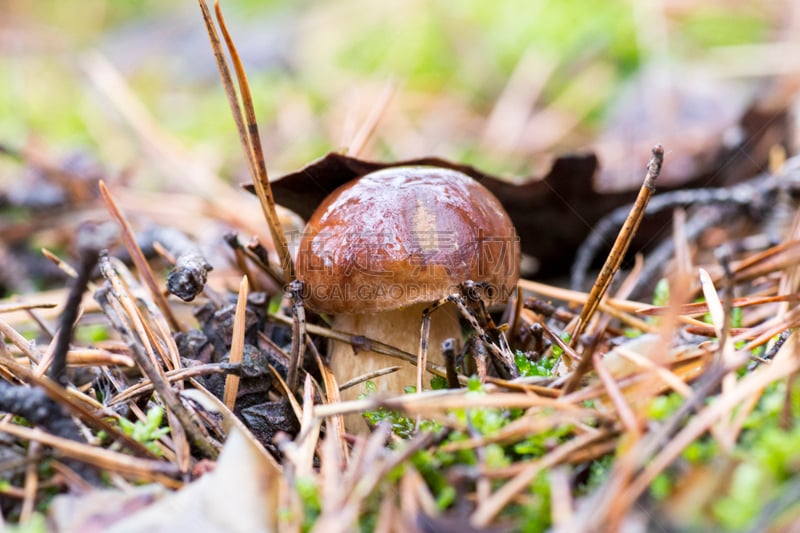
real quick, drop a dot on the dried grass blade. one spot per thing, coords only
(249, 136)
(720, 317)
(26, 347)
(699, 308)
(309, 431)
(330, 473)
(95, 357)
(12, 307)
(428, 402)
(298, 410)
(173, 376)
(578, 297)
(153, 371)
(618, 309)
(63, 396)
(94, 455)
(138, 257)
(31, 485)
(668, 377)
(626, 414)
(237, 346)
(335, 425)
(785, 364)
(180, 442)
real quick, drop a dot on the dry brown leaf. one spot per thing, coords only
(239, 495)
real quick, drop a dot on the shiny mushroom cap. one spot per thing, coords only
(405, 235)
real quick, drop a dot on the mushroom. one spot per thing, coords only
(383, 247)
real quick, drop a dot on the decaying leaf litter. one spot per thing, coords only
(474, 457)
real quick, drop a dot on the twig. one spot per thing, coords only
(240, 258)
(90, 242)
(612, 264)
(770, 353)
(258, 253)
(449, 352)
(369, 375)
(190, 272)
(295, 293)
(373, 344)
(617, 254)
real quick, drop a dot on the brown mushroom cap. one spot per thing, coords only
(405, 235)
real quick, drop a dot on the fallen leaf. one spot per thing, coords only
(96, 511)
(240, 495)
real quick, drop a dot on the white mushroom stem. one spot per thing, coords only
(399, 328)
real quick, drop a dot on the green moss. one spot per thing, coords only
(534, 515)
(306, 488)
(147, 431)
(661, 293)
(543, 367)
(92, 333)
(661, 487)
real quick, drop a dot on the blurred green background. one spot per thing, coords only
(498, 84)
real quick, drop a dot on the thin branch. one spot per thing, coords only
(624, 238)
